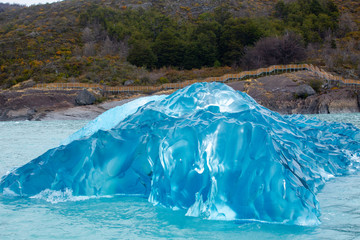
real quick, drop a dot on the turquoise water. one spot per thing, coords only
(120, 217)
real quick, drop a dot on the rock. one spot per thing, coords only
(31, 113)
(85, 98)
(20, 114)
(323, 108)
(310, 105)
(2, 100)
(304, 90)
(291, 93)
(33, 104)
(129, 82)
(344, 106)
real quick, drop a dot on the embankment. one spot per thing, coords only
(289, 93)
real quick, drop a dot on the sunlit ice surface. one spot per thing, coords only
(207, 149)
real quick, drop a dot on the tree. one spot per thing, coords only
(281, 10)
(237, 33)
(169, 49)
(109, 47)
(89, 49)
(88, 35)
(222, 14)
(202, 47)
(315, 7)
(142, 55)
(291, 49)
(314, 18)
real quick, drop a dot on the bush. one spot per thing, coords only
(316, 84)
(163, 80)
(217, 64)
(274, 50)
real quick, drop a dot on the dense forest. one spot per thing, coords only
(126, 42)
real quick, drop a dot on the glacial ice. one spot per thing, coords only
(111, 118)
(207, 149)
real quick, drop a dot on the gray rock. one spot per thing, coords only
(304, 90)
(348, 105)
(2, 100)
(19, 114)
(129, 82)
(85, 98)
(323, 108)
(31, 114)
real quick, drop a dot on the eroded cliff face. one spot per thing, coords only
(32, 104)
(294, 93)
(335, 101)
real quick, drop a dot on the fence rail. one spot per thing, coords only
(225, 78)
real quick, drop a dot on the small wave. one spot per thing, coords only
(53, 196)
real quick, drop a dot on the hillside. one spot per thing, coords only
(157, 41)
(350, 6)
(8, 7)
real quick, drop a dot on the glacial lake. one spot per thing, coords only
(121, 217)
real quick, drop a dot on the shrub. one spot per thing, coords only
(163, 80)
(316, 84)
(275, 50)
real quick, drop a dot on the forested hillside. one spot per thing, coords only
(148, 42)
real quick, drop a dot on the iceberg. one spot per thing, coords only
(207, 149)
(111, 118)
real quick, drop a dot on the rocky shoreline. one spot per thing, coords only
(290, 93)
(300, 93)
(36, 105)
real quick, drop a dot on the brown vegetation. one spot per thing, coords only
(63, 42)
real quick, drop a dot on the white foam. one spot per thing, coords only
(54, 196)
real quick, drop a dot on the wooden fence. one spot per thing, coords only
(226, 78)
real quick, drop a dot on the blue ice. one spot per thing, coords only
(111, 118)
(207, 149)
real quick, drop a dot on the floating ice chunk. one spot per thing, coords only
(207, 149)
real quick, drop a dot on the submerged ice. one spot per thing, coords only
(207, 149)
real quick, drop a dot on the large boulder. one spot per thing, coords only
(331, 101)
(303, 91)
(85, 98)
